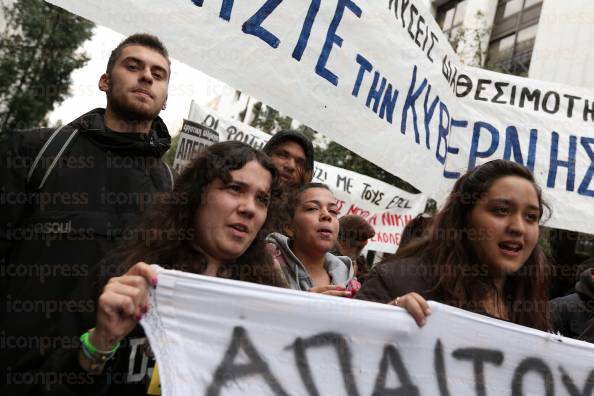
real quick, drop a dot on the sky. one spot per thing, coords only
(186, 84)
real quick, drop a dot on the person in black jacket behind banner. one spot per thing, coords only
(573, 315)
(69, 194)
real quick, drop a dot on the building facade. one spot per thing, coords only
(542, 39)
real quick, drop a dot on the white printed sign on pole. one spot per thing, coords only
(193, 138)
(380, 78)
(387, 208)
(286, 342)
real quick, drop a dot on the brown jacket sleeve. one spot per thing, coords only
(394, 278)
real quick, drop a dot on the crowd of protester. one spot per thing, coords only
(238, 213)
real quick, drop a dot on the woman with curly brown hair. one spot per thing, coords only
(204, 226)
(482, 254)
(211, 225)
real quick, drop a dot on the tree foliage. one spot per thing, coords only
(38, 52)
(268, 119)
(335, 154)
(468, 41)
(169, 156)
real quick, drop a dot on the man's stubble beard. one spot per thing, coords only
(128, 111)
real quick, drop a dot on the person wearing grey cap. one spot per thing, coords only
(293, 154)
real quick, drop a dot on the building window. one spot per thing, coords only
(450, 16)
(513, 36)
(584, 245)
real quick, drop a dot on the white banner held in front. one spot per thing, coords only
(380, 78)
(286, 342)
(387, 208)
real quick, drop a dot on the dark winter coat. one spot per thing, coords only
(573, 315)
(51, 240)
(397, 277)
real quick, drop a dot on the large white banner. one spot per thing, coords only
(381, 79)
(213, 337)
(387, 208)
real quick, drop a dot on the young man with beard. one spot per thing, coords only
(293, 155)
(68, 195)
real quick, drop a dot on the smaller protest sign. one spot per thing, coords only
(194, 138)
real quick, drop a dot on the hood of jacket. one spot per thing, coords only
(585, 285)
(154, 143)
(339, 268)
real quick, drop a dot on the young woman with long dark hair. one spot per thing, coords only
(482, 254)
(303, 251)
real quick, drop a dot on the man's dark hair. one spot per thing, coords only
(144, 39)
(354, 229)
(290, 135)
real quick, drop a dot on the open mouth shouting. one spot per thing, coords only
(239, 230)
(510, 248)
(286, 177)
(325, 232)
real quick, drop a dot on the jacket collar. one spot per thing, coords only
(339, 268)
(155, 143)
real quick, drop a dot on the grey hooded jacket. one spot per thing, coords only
(339, 268)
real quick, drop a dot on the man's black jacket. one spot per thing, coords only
(52, 240)
(573, 315)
